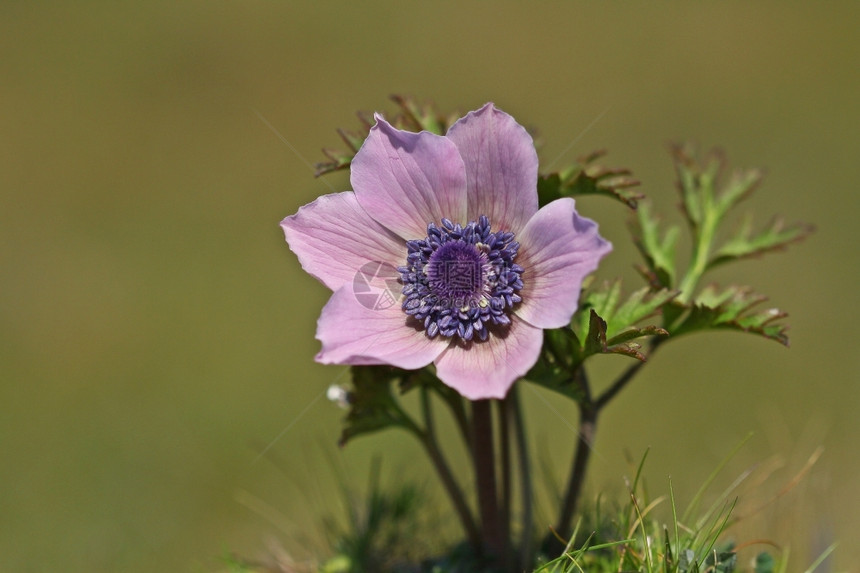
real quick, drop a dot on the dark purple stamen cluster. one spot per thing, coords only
(460, 280)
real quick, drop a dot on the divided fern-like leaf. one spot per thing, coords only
(608, 328)
(410, 116)
(658, 252)
(732, 309)
(744, 244)
(589, 178)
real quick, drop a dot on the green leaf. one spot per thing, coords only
(744, 244)
(733, 309)
(337, 160)
(596, 341)
(588, 178)
(707, 194)
(549, 188)
(423, 117)
(559, 357)
(410, 116)
(741, 184)
(610, 328)
(659, 253)
(642, 304)
(697, 182)
(373, 407)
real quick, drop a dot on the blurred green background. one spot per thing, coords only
(156, 334)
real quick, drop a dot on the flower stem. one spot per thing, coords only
(428, 440)
(485, 474)
(588, 411)
(514, 411)
(587, 430)
(505, 448)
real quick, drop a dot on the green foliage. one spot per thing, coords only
(707, 196)
(382, 534)
(381, 531)
(731, 308)
(556, 365)
(631, 539)
(589, 178)
(608, 321)
(612, 328)
(744, 244)
(373, 406)
(671, 304)
(659, 252)
(409, 116)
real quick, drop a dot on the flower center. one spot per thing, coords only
(461, 280)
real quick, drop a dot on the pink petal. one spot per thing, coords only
(335, 239)
(352, 332)
(501, 167)
(480, 370)
(406, 180)
(558, 250)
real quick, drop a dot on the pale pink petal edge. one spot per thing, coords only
(405, 180)
(559, 248)
(352, 333)
(501, 167)
(334, 238)
(488, 369)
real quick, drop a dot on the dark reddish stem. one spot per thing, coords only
(506, 478)
(492, 534)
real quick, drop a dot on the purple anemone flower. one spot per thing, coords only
(453, 223)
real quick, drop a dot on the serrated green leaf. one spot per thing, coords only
(697, 181)
(608, 328)
(588, 178)
(707, 195)
(659, 253)
(424, 117)
(352, 139)
(741, 185)
(604, 300)
(634, 333)
(595, 340)
(744, 244)
(729, 308)
(639, 306)
(411, 117)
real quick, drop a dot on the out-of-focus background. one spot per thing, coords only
(156, 334)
